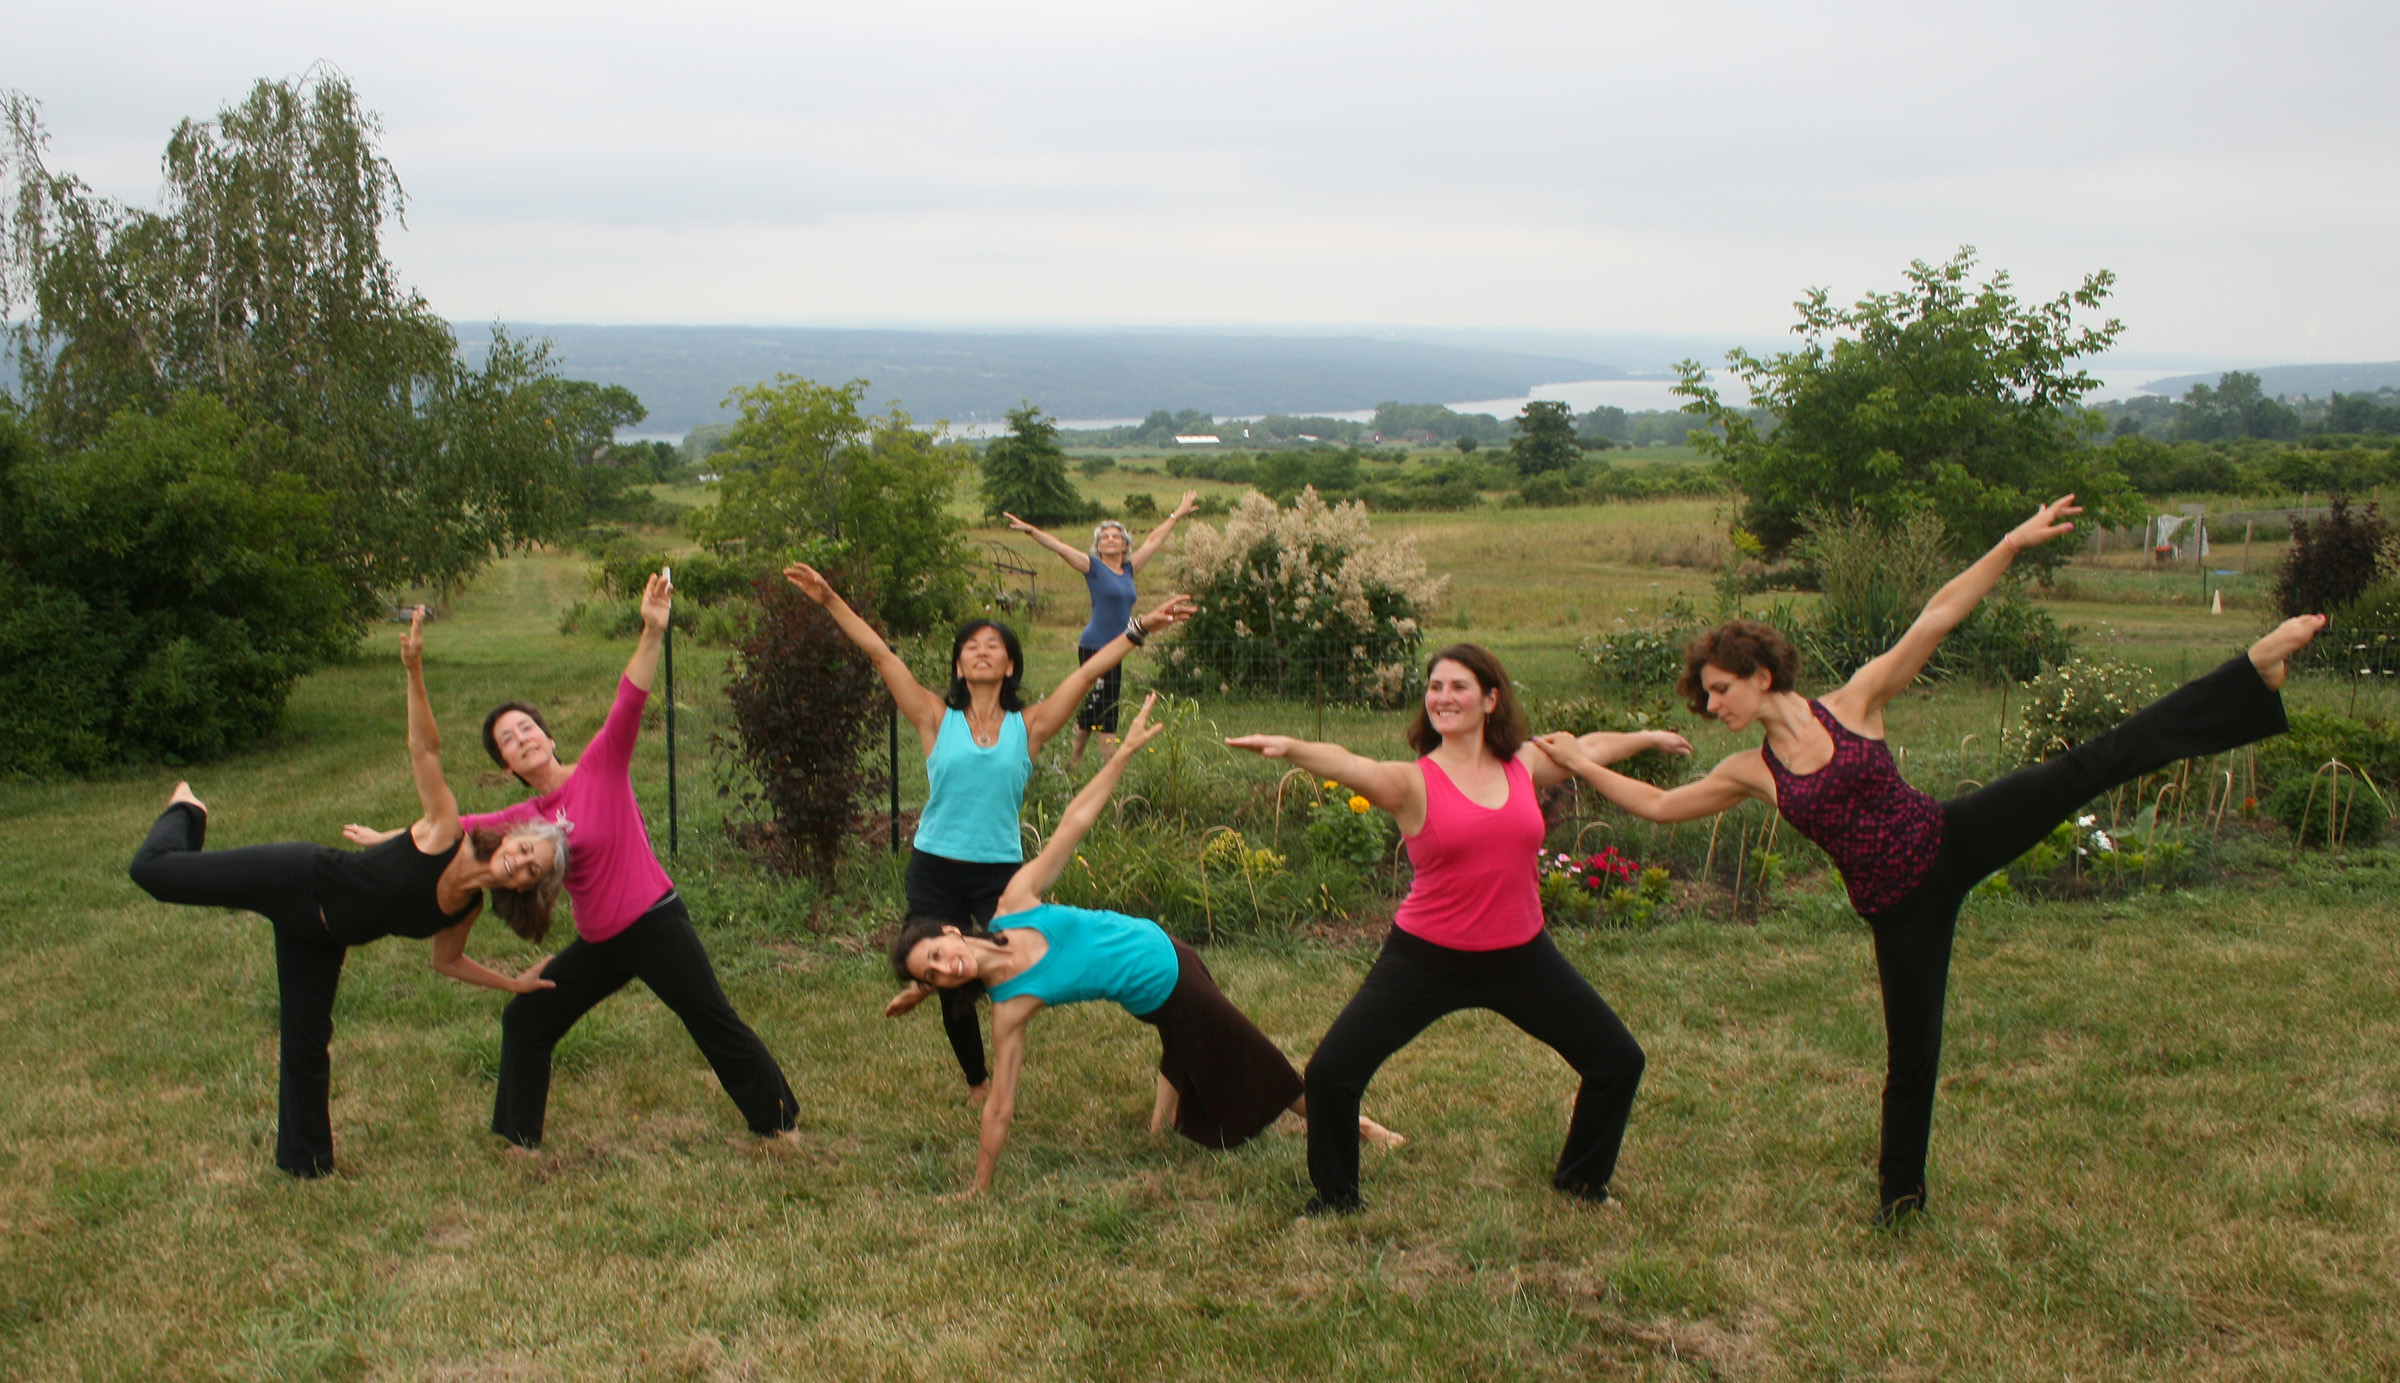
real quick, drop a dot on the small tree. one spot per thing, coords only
(1025, 473)
(1545, 439)
(1964, 402)
(804, 707)
(2332, 561)
(805, 472)
(1301, 601)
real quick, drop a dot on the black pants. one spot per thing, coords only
(1987, 828)
(279, 883)
(965, 892)
(1414, 982)
(1099, 708)
(662, 951)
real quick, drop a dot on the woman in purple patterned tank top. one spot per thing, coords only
(1907, 860)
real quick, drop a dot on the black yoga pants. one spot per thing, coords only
(1415, 982)
(1984, 830)
(967, 893)
(662, 951)
(279, 883)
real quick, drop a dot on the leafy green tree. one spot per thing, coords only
(1605, 425)
(1025, 473)
(263, 282)
(1545, 439)
(2238, 407)
(807, 475)
(160, 589)
(1943, 397)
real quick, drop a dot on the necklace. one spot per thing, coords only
(985, 739)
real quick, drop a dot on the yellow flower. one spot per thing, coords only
(1330, 785)
(1358, 804)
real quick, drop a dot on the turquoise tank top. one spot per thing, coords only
(1093, 955)
(971, 812)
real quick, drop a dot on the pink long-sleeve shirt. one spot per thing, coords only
(613, 875)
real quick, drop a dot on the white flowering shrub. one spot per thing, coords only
(1301, 601)
(2075, 701)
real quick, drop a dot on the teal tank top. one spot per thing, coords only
(971, 812)
(1093, 955)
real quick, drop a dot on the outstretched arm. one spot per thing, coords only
(450, 958)
(658, 595)
(1397, 788)
(1872, 687)
(1026, 887)
(1730, 783)
(1051, 714)
(1008, 1060)
(1601, 747)
(1080, 561)
(1140, 556)
(434, 798)
(922, 707)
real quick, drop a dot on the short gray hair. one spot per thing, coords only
(1102, 527)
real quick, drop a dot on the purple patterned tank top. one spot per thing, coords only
(1881, 833)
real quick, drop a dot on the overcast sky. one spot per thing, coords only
(1674, 168)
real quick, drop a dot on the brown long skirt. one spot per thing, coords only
(1230, 1080)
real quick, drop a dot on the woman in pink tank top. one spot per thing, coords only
(1469, 934)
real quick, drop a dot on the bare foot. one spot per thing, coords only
(521, 1153)
(2281, 642)
(977, 1094)
(1377, 1134)
(183, 793)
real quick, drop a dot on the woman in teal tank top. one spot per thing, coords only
(1220, 1080)
(980, 738)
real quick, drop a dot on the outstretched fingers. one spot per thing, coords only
(810, 581)
(1141, 731)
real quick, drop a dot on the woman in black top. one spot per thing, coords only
(322, 901)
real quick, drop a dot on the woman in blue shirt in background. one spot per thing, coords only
(1108, 572)
(980, 739)
(1220, 1079)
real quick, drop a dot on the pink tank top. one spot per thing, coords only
(1475, 888)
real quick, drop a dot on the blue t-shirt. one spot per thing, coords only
(971, 812)
(1112, 604)
(1093, 955)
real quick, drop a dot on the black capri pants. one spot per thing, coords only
(278, 882)
(662, 951)
(1984, 830)
(965, 893)
(1413, 984)
(1099, 708)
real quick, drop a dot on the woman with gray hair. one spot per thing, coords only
(416, 882)
(1108, 571)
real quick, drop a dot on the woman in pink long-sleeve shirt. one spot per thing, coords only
(629, 924)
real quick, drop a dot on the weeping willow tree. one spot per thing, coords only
(232, 432)
(261, 280)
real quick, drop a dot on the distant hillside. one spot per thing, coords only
(2316, 381)
(682, 374)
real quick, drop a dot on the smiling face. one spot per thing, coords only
(1733, 700)
(1455, 703)
(984, 657)
(945, 961)
(522, 862)
(524, 746)
(1113, 543)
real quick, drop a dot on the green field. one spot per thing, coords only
(2168, 1143)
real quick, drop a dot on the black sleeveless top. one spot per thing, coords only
(384, 890)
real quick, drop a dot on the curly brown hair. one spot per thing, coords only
(1503, 730)
(1741, 647)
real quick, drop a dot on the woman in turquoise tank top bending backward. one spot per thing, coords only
(1220, 1080)
(980, 738)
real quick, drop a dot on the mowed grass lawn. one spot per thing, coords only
(2167, 1146)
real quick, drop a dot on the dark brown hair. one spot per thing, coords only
(922, 929)
(526, 911)
(1741, 647)
(491, 741)
(1503, 729)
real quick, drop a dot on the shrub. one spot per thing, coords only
(2332, 561)
(2330, 808)
(804, 705)
(1299, 602)
(1640, 658)
(160, 591)
(1608, 888)
(1342, 827)
(1139, 505)
(1584, 715)
(2074, 701)
(2317, 737)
